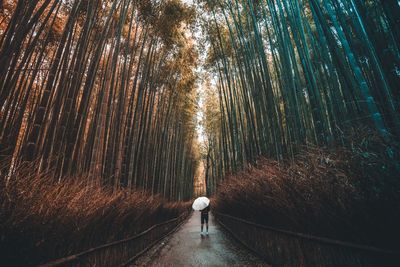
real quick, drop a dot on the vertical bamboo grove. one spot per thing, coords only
(103, 88)
(288, 73)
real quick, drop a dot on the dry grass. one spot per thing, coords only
(41, 220)
(346, 194)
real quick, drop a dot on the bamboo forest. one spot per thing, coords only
(115, 115)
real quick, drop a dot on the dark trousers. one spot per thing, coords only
(204, 218)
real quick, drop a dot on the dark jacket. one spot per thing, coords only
(205, 210)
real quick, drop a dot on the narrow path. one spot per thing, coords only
(188, 248)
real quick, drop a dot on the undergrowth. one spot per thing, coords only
(350, 194)
(41, 220)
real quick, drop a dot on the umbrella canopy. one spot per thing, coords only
(200, 203)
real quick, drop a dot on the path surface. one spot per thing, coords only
(188, 248)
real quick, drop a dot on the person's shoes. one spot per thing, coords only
(207, 233)
(201, 233)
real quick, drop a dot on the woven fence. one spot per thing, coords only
(285, 248)
(121, 252)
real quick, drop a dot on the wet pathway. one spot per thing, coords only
(187, 248)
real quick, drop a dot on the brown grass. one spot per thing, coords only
(41, 220)
(347, 194)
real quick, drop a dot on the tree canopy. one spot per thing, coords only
(103, 88)
(289, 74)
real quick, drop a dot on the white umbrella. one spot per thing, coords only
(200, 203)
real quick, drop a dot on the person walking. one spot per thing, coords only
(204, 218)
(202, 204)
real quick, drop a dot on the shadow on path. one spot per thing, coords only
(187, 247)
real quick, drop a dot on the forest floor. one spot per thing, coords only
(187, 247)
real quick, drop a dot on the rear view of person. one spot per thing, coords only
(204, 218)
(202, 204)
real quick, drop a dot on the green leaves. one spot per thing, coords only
(293, 73)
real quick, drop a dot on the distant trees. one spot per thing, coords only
(296, 72)
(100, 87)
